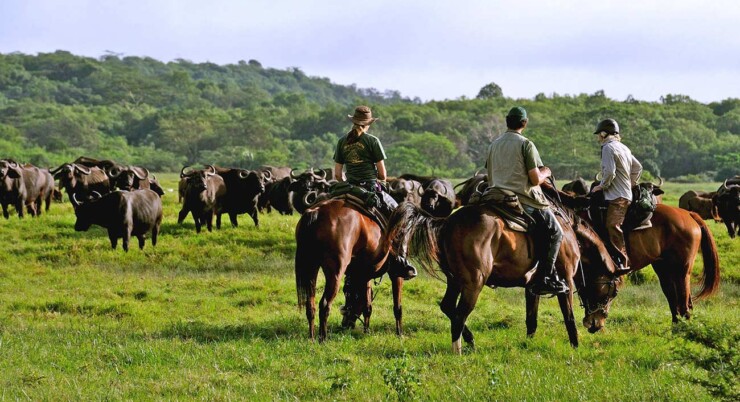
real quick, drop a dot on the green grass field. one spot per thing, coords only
(214, 317)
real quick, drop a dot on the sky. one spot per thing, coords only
(429, 49)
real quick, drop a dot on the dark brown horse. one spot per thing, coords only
(335, 236)
(474, 248)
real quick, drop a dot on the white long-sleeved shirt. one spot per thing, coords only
(620, 170)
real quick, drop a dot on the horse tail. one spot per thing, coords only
(409, 223)
(710, 278)
(305, 259)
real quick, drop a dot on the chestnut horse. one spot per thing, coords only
(341, 240)
(474, 248)
(670, 246)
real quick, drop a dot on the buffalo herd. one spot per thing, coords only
(125, 199)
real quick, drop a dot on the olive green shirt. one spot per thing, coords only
(360, 157)
(510, 157)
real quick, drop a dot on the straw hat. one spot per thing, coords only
(363, 116)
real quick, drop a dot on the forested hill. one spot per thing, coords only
(57, 106)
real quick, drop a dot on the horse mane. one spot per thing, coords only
(568, 205)
(411, 224)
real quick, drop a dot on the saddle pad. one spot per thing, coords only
(359, 203)
(514, 222)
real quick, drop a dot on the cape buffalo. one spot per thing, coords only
(81, 180)
(727, 201)
(700, 202)
(204, 195)
(437, 198)
(578, 186)
(277, 195)
(404, 190)
(24, 186)
(243, 188)
(123, 213)
(306, 187)
(476, 183)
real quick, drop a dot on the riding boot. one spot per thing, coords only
(546, 279)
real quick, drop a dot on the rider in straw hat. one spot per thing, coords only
(362, 154)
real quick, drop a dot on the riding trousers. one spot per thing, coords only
(614, 218)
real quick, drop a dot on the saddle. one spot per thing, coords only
(638, 214)
(367, 202)
(505, 204)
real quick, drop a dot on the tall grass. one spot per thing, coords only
(213, 316)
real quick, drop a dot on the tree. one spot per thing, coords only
(490, 91)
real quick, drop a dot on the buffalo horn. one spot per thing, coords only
(420, 190)
(481, 187)
(114, 172)
(395, 184)
(243, 174)
(323, 174)
(309, 198)
(12, 164)
(660, 183)
(182, 172)
(477, 172)
(74, 200)
(267, 174)
(84, 170)
(136, 169)
(444, 190)
(213, 170)
(292, 174)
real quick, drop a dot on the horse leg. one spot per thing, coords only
(447, 305)
(465, 306)
(306, 270)
(368, 311)
(668, 286)
(397, 285)
(566, 307)
(533, 304)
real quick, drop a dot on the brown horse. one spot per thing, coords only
(474, 248)
(335, 236)
(670, 246)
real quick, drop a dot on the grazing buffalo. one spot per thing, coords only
(437, 198)
(277, 195)
(203, 197)
(700, 202)
(578, 186)
(404, 190)
(81, 180)
(243, 189)
(306, 187)
(477, 183)
(727, 201)
(123, 213)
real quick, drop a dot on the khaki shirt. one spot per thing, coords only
(510, 157)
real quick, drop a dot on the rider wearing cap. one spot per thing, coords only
(620, 171)
(514, 164)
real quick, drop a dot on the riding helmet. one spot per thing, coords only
(608, 125)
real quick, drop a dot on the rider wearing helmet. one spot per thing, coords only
(620, 171)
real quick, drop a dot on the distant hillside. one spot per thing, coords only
(57, 106)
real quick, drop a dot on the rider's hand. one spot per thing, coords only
(383, 185)
(596, 189)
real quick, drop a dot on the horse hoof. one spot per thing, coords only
(457, 347)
